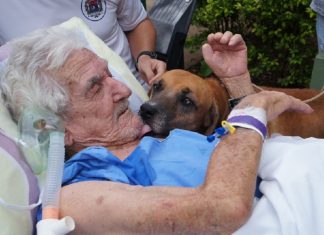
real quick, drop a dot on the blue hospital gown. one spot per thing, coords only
(179, 160)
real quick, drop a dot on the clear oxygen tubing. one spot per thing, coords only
(54, 174)
(42, 134)
(50, 223)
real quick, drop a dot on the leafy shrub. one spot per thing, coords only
(280, 36)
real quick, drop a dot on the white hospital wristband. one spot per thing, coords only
(251, 118)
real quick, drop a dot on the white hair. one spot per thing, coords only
(27, 79)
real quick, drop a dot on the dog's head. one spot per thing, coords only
(183, 100)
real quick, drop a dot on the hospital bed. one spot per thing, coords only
(291, 168)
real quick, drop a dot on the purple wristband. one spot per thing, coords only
(246, 119)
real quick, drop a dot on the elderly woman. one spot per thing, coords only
(56, 70)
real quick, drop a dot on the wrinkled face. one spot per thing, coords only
(99, 113)
(180, 100)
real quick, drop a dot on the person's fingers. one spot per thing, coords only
(207, 52)
(300, 106)
(151, 69)
(226, 37)
(279, 102)
(287, 102)
(275, 103)
(159, 70)
(235, 40)
(292, 104)
(218, 36)
(210, 38)
(214, 38)
(146, 73)
(152, 80)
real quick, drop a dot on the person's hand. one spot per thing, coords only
(274, 103)
(150, 69)
(226, 54)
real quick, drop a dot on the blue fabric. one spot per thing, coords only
(179, 160)
(320, 32)
(318, 6)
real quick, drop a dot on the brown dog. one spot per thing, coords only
(183, 100)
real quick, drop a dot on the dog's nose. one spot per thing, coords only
(147, 111)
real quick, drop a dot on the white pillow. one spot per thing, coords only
(18, 184)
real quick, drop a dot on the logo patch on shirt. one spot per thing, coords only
(93, 10)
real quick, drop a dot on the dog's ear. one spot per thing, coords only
(220, 97)
(212, 118)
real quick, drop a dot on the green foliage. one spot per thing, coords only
(280, 36)
(204, 71)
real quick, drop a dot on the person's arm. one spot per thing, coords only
(220, 206)
(143, 38)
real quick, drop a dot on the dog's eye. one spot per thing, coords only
(187, 102)
(157, 86)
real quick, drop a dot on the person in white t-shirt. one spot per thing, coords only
(123, 25)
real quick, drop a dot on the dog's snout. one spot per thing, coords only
(147, 111)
